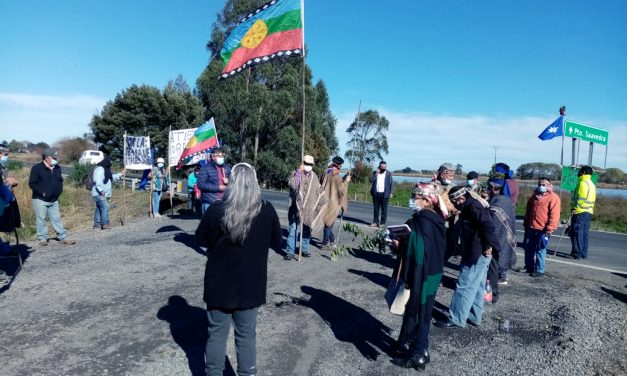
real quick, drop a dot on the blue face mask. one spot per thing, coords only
(54, 162)
(541, 189)
(4, 159)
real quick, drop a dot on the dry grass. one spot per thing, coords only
(77, 207)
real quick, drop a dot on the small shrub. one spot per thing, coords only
(79, 173)
(14, 165)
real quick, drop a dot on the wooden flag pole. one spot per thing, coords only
(302, 143)
(123, 219)
(170, 175)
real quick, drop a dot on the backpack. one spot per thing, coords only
(89, 178)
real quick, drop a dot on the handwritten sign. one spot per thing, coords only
(137, 153)
(177, 142)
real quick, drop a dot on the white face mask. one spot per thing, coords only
(447, 182)
(160, 165)
(220, 161)
(307, 168)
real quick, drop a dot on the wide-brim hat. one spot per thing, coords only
(308, 159)
(160, 160)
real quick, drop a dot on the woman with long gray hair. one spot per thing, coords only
(237, 231)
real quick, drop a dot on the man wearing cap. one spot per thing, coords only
(307, 199)
(336, 190)
(582, 208)
(213, 178)
(382, 190)
(160, 184)
(46, 183)
(477, 236)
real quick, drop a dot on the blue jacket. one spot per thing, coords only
(389, 184)
(99, 186)
(209, 182)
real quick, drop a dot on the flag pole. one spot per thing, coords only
(124, 184)
(302, 143)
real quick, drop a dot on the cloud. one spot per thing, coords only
(46, 118)
(424, 140)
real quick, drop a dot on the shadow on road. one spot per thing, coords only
(355, 220)
(384, 259)
(189, 241)
(188, 327)
(378, 278)
(616, 294)
(349, 322)
(10, 264)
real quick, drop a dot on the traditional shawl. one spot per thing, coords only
(335, 189)
(504, 218)
(422, 267)
(310, 200)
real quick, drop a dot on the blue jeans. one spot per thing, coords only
(328, 235)
(579, 230)
(292, 238)
(45, 209)
(205, 206)
(101, 214)
(245, 323)
(535, 255)
(467, 302)
(156, 197)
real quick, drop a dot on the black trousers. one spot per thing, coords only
(380, 204)
(493, 274)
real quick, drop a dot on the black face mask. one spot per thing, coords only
(382, 170)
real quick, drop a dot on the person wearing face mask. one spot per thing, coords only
(472, 181)
(443, 181)
(213, 178)
(542, 217)
(46, 182)
(382, 190)
(160, 184)
(477, 240)
(306, 203)
(421, 261)
(336, 189)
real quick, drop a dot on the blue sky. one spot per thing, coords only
(454, 78)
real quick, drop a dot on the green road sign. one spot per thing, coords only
(586, 133)
(570, 178)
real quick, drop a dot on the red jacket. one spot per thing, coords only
(544, 213)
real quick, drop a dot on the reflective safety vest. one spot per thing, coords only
(584, 196)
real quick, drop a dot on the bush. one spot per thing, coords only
(14, 165)
(79, 173)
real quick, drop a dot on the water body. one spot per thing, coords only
(421, 179)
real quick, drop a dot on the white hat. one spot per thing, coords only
(308, 159)
(160, 160)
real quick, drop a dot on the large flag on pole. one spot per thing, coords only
(555, 129)
(205, 138)
(274, 30)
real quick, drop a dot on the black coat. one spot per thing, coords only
(236, 275)
(46, 184)
(477, 230)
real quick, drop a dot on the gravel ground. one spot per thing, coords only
(128, 301)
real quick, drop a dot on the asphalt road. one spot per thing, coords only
(607, 251)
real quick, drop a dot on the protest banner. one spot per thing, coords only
(177, 141)
(137, 153)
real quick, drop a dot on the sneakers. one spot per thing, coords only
(306, 254)
(374, 225)
(288, 257)
(67, 241)
(106, 227)
(328, 246)
(157, 215)
(502, 281)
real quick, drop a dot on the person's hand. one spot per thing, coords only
(123, 172)
(487, 252)
(11, 182)
(391, 195)
(221, 187)
(394, 244)
(225, 181)
(348, 179)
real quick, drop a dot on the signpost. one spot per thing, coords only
(585, 132)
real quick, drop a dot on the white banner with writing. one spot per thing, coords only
(137, 153)
(177, 142)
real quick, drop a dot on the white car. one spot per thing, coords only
(91, 157)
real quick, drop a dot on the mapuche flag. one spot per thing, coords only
(203, 139)
(274, 30)
(554, 129)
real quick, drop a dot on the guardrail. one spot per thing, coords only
(178, 186)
